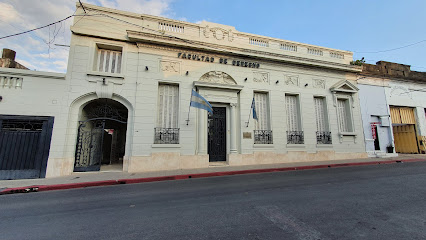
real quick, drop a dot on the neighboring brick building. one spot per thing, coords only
(7, 60)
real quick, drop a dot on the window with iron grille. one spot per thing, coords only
(167, 131)
(323, 135)
(109, 61)
(344, 116)
(294, 133)
(262, 132)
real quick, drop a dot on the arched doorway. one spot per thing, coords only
(101, 137)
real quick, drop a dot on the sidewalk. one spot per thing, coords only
(79, 180)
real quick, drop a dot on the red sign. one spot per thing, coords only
(373, 129)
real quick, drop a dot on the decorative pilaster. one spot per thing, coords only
(233, 119)
(201, 132)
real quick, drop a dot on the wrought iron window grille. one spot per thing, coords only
(22, 125)
(295, 137)
(166, 136)
(263, 137)
(324, 138)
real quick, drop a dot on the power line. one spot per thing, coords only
(393, 49)
(16, 34)
(81, 4)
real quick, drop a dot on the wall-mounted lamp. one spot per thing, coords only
(187, 73)
(245, 79)
(1, 98)
(103, 81)
(306, 85)
(146, 68)
(277, 82)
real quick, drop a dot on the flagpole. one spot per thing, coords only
(248, 121)
(189, 110)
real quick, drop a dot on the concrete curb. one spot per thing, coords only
(41, 188)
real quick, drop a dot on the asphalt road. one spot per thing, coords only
(364, 202)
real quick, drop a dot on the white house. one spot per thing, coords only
(124, 103)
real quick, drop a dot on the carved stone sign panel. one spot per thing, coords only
(292, 80)
(218, 77)
(218, 33)
(319, 83)
(170, 66)
(261, 77)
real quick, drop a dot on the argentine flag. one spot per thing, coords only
(199, 102)
(253, 106)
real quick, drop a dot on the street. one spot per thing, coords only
(363, 202)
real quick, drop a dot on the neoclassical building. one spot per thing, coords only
(125, 100)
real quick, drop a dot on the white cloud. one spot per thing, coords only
(26, 64)
(200, 21)
(60, 64)
(37, 50)
(8, 13)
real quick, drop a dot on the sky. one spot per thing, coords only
(370, 28)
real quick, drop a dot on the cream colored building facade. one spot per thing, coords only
(138, 72)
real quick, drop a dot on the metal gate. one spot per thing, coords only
(405, 139)
(217, 135)
(24, 146)
(89, 152)
(404, 129)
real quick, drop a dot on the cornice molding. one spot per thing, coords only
(30, 73)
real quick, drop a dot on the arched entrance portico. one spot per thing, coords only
(101, 137)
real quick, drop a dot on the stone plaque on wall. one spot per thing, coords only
(292, 80)
(319, 83)
(247, 135)
(261, 77)
(170, 66)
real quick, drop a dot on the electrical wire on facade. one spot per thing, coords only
(50, 24)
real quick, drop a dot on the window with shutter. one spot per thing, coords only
(294, 133)
(292, 113)
(323, 135)
(262, 132)
(109, 61)
(262, 110)
(167, 130)
(342, 115)
(321, 120)
(168, 104)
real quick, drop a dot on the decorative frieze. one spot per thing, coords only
(170, 66)
(318, 83)
(292, 80)
(262, 77)
(218, 33)
(218, 77)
